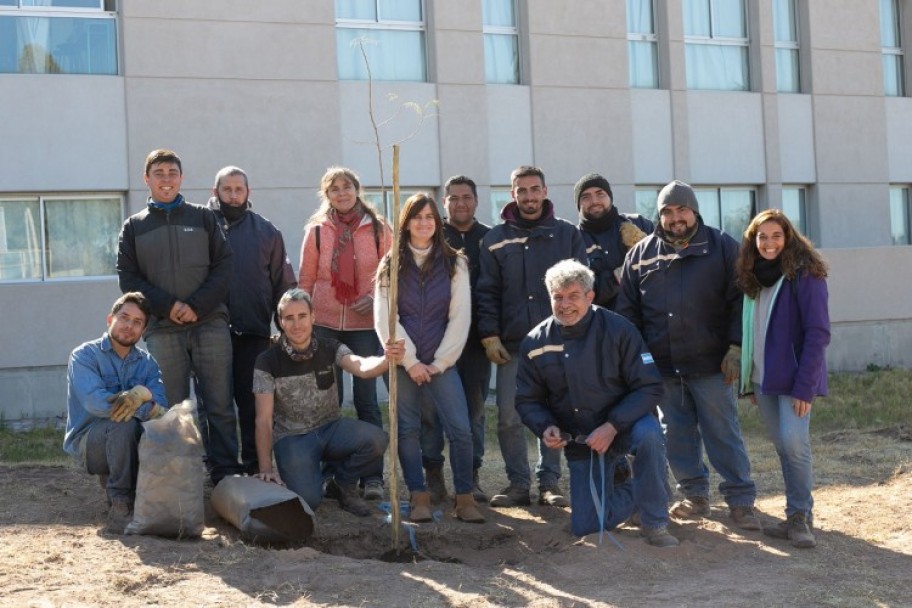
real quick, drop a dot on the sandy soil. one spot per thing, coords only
(54, 550)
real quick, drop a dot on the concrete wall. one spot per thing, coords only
(229, 82)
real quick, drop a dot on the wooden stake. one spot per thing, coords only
(393, 293)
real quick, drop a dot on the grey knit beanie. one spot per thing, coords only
(591, 180)
(677, 193)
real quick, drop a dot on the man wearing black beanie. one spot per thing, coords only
(608, 234)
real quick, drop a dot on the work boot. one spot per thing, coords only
(797, 529)
(119, 515)
(420, 507)
(436, 484)
(659, 537)
(373, 490)
(512, 496)
(349, 498)
(690, 508)
(552, 496)
(744, 518)
(466, 509)
(477, 493)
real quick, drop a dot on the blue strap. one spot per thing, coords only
(598, 498)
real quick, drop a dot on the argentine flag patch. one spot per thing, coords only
(647, 358)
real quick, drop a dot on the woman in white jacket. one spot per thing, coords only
(434, 314)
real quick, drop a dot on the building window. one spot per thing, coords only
(728, 209)
(642, 47)
(716, 44)
(501, 196)
(384, 204)
(393, 33)
(501, 41)
(57, 37)
(891, 43)
(646, 202)
(56, 237)
(794, 205)
(900, 216)
(785, 26)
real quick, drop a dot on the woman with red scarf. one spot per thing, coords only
(343, 244)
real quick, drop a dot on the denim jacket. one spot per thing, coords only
(94, 373)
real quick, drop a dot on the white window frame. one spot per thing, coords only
(792, 47)
(902, 208)
(719, 191)
(648, 37)
(500, 30)
(381, 24)
(40, 229)
(894, 52)
(714, 40)
(45, 9)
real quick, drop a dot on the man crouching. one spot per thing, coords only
(112, 386)
(587, 383)
(298, 415)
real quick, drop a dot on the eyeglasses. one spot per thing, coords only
(570, 438)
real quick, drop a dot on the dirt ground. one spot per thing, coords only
(54, 550)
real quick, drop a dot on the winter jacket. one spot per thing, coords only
(315, 271)
(179, 254)
(686, 303)
(470, 244)
(512, 298)
(606, 253)
(577, 378)
(424, 307)
(797, 334)
(262, 271)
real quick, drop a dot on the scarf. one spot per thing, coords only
(167, 206)
(767, 271)
(233, 213)
(344, 279)
(680, 242)
(600, 224)
(299, 356)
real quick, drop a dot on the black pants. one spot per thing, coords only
(245, 348)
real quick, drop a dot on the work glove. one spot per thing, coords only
(494, 350)
(731, 364)
(125, 403)
(630, 234)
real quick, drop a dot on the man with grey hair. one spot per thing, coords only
(678, 287)
(262, 273)
(587, 383)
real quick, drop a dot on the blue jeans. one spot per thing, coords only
(645, 491)
(474, 371)
(446, 392)
(245, 348)
(354, 448)
(112, 449)
(700, 410)
(511, 434)
(792, 437)
(205, 350)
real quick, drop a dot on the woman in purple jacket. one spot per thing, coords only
(783, 365)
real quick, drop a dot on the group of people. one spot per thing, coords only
(595, 329)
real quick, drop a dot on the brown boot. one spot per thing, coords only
(420, 504)
(436, 484)
(466, 509)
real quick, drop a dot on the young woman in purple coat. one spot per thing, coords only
(783, 364)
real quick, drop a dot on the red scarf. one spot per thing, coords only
(344, 279)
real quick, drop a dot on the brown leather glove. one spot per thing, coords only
(731, 364)
(630, 234)
(125, 403)
(494, 350)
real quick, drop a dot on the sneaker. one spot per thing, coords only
(349, 498)
(659, 537)
(744, 518)
(373, 490)
(477, 493)
(436, 484)
(552, 496)
(690, 508)
(512, 496)
(798, 529)
(119, 515)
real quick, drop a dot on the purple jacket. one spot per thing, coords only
(794, 362)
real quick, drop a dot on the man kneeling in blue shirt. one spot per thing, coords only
(587, 383)
(112, 386)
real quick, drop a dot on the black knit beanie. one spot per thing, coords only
(591, 180)
(679, 194)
